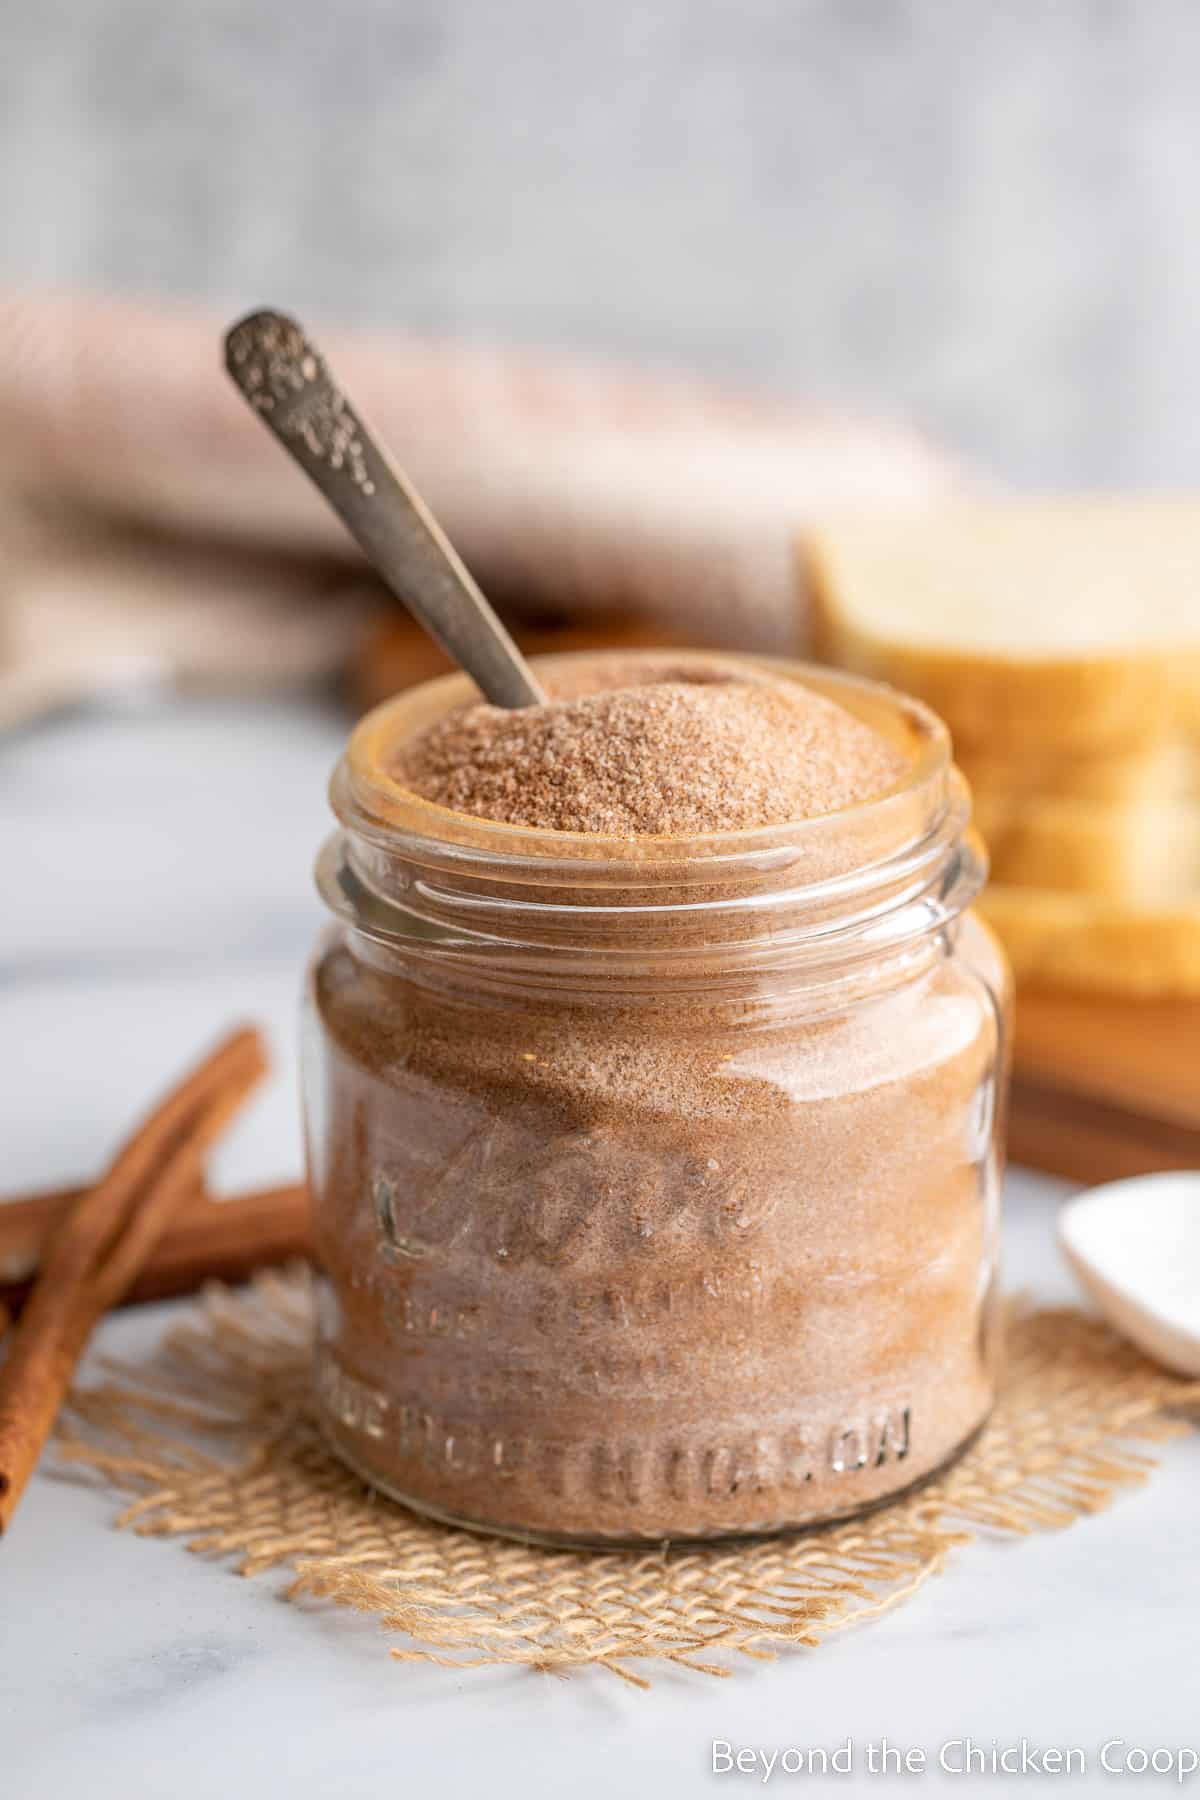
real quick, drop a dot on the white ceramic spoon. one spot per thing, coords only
(1135, 1246)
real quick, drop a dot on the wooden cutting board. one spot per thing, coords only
(1141, 1054)
(399, 653)
(1104, 1088)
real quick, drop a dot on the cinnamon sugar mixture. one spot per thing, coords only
(633, 1230)
(672, 757)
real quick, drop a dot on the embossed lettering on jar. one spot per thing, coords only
(655, 1180)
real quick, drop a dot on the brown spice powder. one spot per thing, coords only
(675, 756)
(700, 1251)
(639, 1269)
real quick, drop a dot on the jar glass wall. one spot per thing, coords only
(655, 1182)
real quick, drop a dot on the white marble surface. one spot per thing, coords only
(157, 884)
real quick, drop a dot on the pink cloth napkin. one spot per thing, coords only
(148, 518)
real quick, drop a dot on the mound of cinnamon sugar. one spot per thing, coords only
(682, 754)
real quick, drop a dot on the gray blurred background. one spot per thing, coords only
(981, 216)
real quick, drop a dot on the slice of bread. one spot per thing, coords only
(1158, 774)
(1147, 853)
(1071, 626)
(1084, 944)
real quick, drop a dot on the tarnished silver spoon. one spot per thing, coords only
(283, 376)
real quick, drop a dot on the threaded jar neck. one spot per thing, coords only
(815, 898)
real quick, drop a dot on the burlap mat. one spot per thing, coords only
(217, 1438)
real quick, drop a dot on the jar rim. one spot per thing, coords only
(372, 803)
(406, 873)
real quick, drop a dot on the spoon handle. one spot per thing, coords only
(284, 377)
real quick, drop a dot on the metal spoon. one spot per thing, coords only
(283, 376)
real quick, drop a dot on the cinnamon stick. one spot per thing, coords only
(97, 1252)
(206, 1239)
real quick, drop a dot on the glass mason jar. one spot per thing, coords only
(656, 1181)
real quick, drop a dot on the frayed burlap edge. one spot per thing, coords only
(216, 1437)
